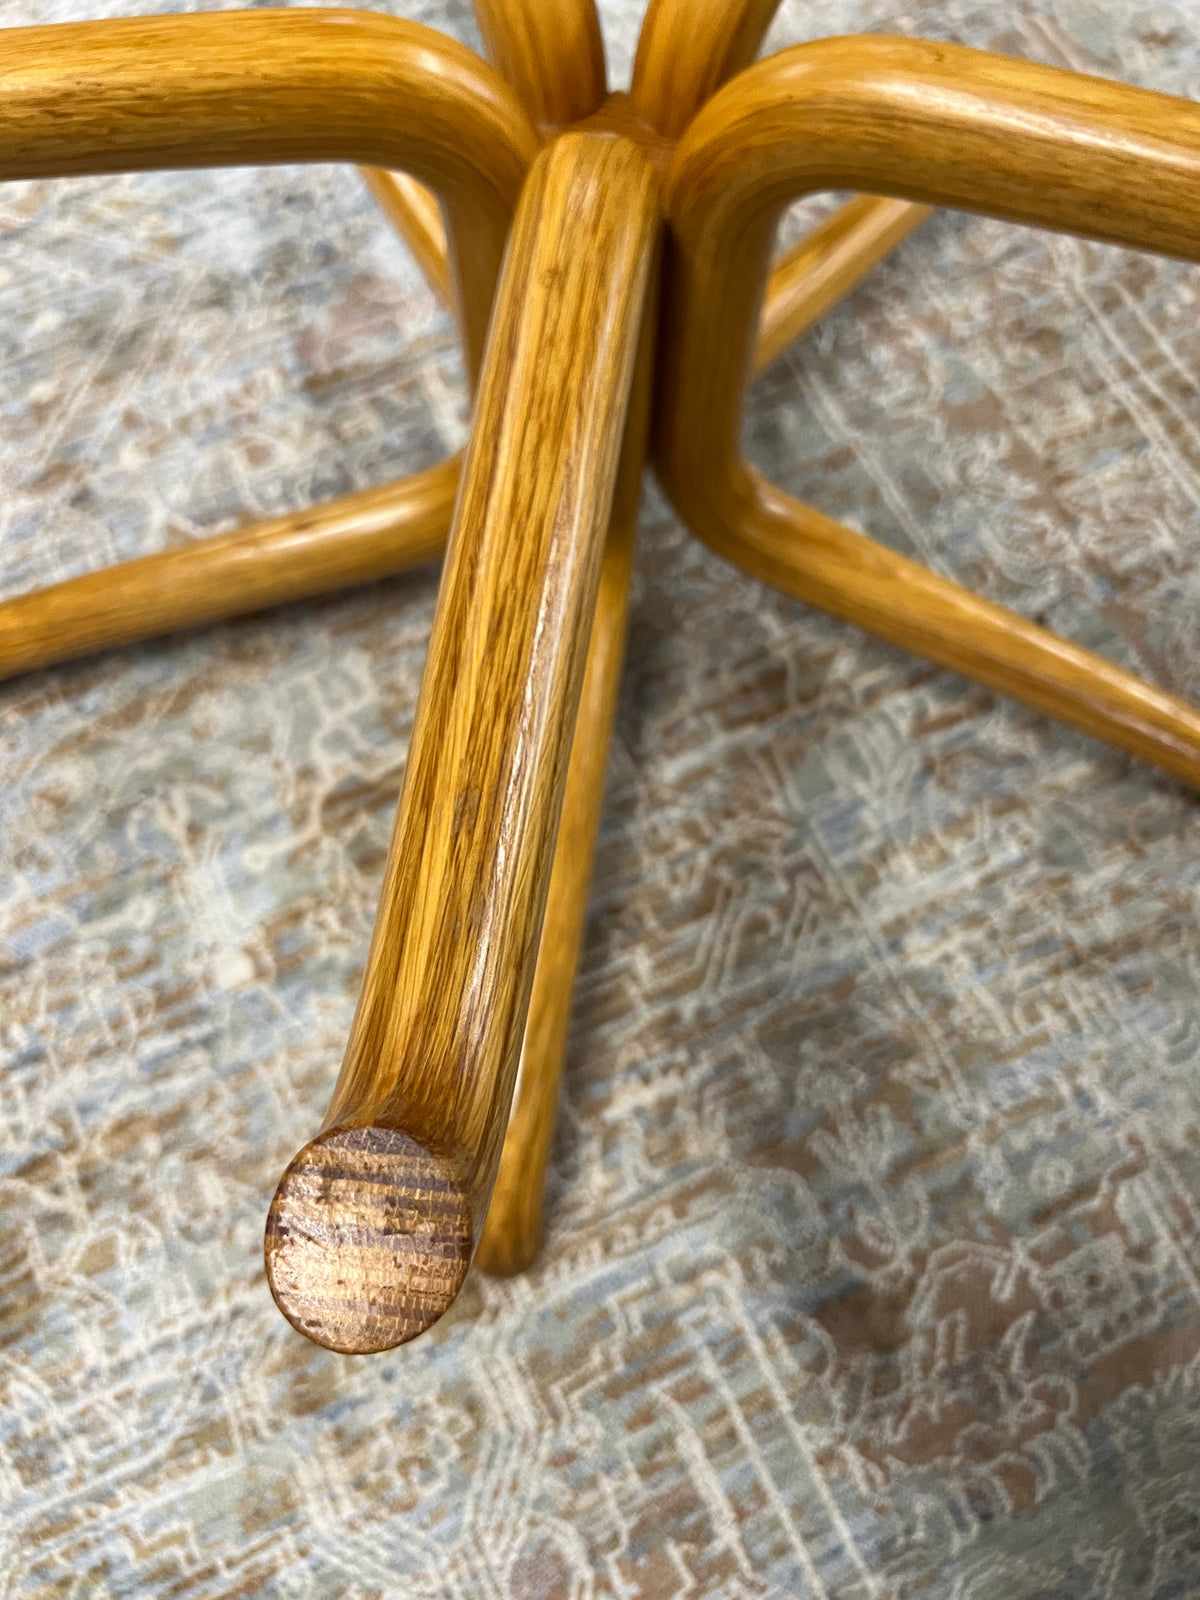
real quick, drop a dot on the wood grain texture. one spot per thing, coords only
(823, 267)
(513, 1230)
(241, 88)
(434, 1048)
(936, 124)
(374, 533)
(413, 211)
(687, 49)
(375, 1236)
(354, 539)
(550, 51)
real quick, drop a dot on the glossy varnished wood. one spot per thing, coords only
(687, 49)
(434, 1048)
(248, 87)
(373, 1224)
(550, 51)
(513, 1229)
(355, 539)
(935, 124)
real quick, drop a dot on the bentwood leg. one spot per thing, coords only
(550, 51)
(375, 533)
(373, 1225)
(514, 1221)
(242, 88)
(936, 124)
(687, 49)
(237, 88)
(359, 537)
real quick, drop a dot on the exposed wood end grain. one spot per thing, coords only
(368, 1240)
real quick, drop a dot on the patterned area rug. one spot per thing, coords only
(872, 1264)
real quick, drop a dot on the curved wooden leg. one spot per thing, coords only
(237, 88)
(805, 283)
(687, 49)
(513, 1230)
(372, 1227)
(355, 539)
(938, 125)
(828, 565)
(550, 51)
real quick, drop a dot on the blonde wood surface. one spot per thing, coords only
(485, 893)
(823, 267)
(686, 51)
(355, 1257)
(239, 88)
(809, 280)
(550, 51)
(513, 1230)
(374, 533)
(354, 539)
(935, 124)
(413, 211)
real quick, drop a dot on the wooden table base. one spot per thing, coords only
(602, 345)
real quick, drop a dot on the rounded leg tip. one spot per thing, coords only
(368, 1240)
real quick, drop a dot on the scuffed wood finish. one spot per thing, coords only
(513, 1230)
(550, 51)
(936, 124)
(354, 539)
(240, 88)
(823, 267)
(687, 49)
(433, 1051)
(413, 211)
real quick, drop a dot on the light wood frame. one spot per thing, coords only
(536, 202)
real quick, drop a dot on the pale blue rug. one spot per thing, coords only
(872, 1266)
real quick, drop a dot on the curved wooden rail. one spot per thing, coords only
(550, 51)
(375, 533)
(941, 125)
(372, 1227)
(355, 539)
(235, 88)
(687, 49)
(513, 1230)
